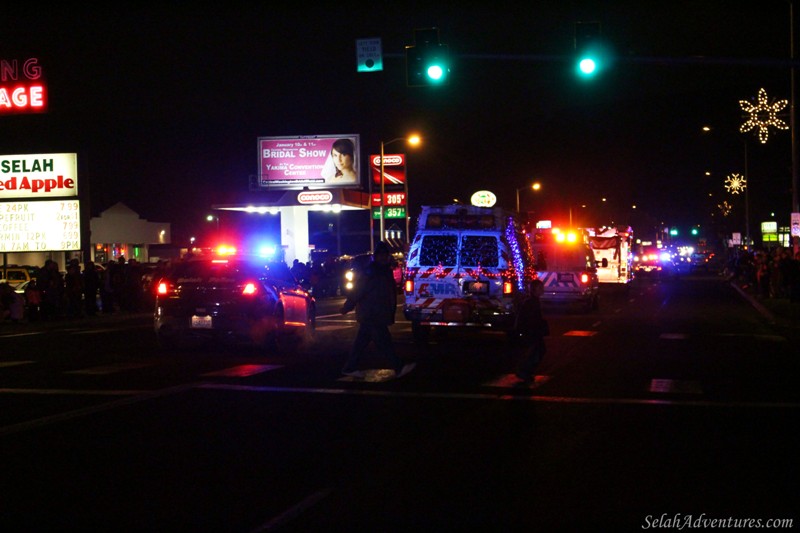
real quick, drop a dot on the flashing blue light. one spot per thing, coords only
(267, 250)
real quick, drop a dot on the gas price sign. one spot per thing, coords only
(40, 226)
(390, 212)
(392, 198)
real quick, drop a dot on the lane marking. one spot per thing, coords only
(678, 386)
(242, 371)
(332, 328)
(504, 396)
(580, 333)
(137, 397)
(773, 338)
(73, 392)
(111, 369)
(15, 363)
(512, 381)
(294, 511)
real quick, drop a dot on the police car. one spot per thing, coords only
(229, 298)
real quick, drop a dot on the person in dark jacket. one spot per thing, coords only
(91, 284)
(533, 329)
(375, 302)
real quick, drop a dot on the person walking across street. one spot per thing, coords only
(375, 301)
(533, 329)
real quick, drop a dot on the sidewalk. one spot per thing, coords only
(779, 311)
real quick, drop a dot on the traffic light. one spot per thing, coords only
(590, 53)
(427, 61)
(427, 65)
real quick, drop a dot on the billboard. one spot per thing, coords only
(318, 161)
(38, 176)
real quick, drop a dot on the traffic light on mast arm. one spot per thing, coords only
(427, 61)
(591, 55)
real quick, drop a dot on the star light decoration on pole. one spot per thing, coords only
(735, 184)
(763, 115)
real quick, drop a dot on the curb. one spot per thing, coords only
(769, 315)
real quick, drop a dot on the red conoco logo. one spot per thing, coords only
(388, 160)
(316, 197)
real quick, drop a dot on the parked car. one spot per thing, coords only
(15, 275)
(232, 300)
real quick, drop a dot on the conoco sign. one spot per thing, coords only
(314, 197)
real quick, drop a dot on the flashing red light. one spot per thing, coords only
(249, 288)
(585, 278)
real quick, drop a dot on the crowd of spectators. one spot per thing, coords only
(113, 287)
(769, 272)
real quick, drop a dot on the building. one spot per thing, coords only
(117, 231)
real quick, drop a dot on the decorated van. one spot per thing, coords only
(467, 267)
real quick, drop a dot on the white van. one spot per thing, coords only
(467, 267)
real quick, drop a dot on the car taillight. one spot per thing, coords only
(585, 278)
(162, 288)
(508, 287)
(249, 288)
(409, 286)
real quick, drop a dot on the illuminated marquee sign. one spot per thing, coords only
(394, 169)
(22, 88)
(40, 226)
(38, 176)
(484, 199)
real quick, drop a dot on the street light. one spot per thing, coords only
(413, 140)
(535, 187)
(211, 218)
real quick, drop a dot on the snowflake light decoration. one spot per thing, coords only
(724, 208)
(735, 183)
(762, 115)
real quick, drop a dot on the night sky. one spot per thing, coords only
(164, 106)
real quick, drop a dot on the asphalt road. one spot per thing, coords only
(675, 401)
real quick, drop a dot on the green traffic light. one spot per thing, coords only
(587, 66)
(427, 65)
(435, 72)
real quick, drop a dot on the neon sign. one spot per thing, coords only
(22, 88)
